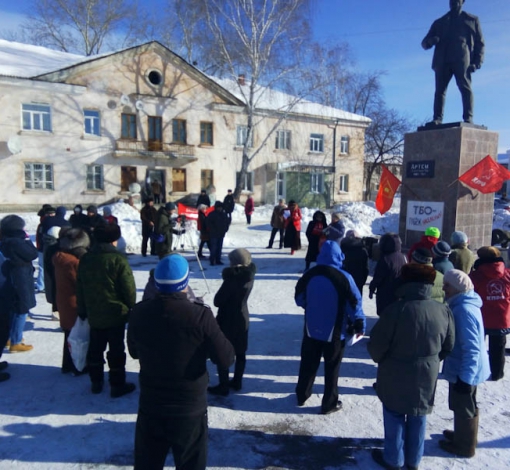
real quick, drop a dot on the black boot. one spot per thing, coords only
(117, 375)
(222, 388)
(237, 382)
(96, 374)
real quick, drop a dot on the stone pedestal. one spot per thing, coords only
(453, 150)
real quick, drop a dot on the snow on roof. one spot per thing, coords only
(271, 99)
(25, 60)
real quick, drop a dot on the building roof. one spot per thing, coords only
(28, 61)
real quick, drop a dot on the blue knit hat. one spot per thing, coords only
(171, 274)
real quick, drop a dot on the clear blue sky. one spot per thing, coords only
(386, 35)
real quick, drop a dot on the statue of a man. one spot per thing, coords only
(459, 49)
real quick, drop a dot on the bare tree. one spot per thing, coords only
(384, 142)
(81, 26)
(259, 39)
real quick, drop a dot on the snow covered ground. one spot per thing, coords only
(50, 421)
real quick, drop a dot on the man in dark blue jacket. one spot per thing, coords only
(332, 302)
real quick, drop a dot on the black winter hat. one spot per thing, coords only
(422, 256)
(92, 209)
(107, 233)
(441, 249)
(170, 206)
(218, 205)
(240, 256)
(11, 223)
(73, 238)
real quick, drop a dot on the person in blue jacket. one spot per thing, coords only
(467, 365)
(333, 306)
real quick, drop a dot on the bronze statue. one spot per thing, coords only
(459, 49)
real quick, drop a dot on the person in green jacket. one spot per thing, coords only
(105, 293)
(164, 230)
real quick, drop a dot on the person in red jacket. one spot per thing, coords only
(249, 209)
(492, 283)
(292, 237)
(428, 240)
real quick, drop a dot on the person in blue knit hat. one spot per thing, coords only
(172, 337)
(440, 251)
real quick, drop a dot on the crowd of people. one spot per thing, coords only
(435, 304)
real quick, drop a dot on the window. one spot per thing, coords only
(316, 142)
(127, 177)
(179, 131)
(316, 182)
(178, 180)
(36, 117)
(154, 77)
(282, 140)
(247, 182)
(155, 135)
(91, 122)
(206, 178)
(38, 176)
(206, 133)
(343, 186)
(242, 134)
(95, 180)
(128, 126)
(344, 144)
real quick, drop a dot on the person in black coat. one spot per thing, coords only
(314, 233)
(148, 215)
(217, 225)
(203, 199)
(20, 251)
(228, 205)
(356, 258)
(387, 271)
(78, 219)
(233, 315)
(172, 338)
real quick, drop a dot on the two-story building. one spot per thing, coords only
(82, 129)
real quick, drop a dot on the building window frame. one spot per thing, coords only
(248, 181)
(241, 136)
(179, 131)
(317, 183)
(181, 185)
(317, 143)
(344, 144)
(128, 126)
(36, 117)
(343, 184)
(283, 139)
(92, 122)
(95, 177)
(206, 133)
(39, 176)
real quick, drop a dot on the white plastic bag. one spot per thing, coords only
(78, 342)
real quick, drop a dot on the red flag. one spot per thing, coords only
(486, 176)
(189, 212)
(387, 188)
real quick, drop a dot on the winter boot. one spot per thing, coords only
(117, 375)
(96, 374)
(222, 388)
(465, 437)
(237, 382)
(96, 387)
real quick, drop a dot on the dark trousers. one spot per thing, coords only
(497, 356)
(463, 405)
(201, 247)
(248, 219)
(99, 340)
(215, 247)
(273, 234)
(463, 79)
(5, 329)
(157, 198)
(156, 435)
(67, 361)
(146, 236)
(312, 351)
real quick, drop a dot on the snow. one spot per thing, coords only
(51, 421)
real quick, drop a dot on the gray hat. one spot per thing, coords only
(458, 237)
(422, 256)
(239, 256)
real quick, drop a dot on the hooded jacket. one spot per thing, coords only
(329, 296)
(408, 342)
(468, 360)
(356, 260)
(492, 283)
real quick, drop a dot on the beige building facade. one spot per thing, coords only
(84, 131)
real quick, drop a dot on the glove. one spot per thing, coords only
(359, 326)
(461, 387)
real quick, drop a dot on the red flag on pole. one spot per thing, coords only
(486, 176)
(387, 188)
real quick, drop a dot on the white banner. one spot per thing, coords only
(421, 215)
